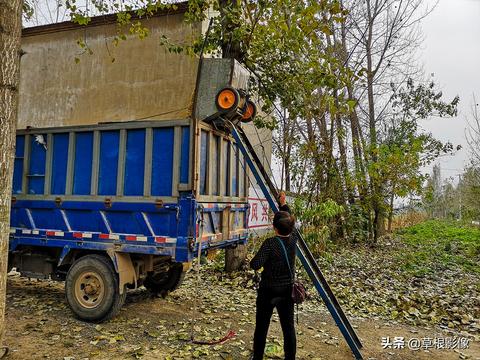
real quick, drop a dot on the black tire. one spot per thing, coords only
(92, 290)
(163, 283)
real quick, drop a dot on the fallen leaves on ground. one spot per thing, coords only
(368, 283)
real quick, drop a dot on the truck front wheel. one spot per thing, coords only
(92, 290)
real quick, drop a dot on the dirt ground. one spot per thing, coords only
(41, 326)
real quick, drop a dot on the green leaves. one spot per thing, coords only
(273, 351)
(28, 9)
(284, 41)
(421, 101)
(405, 147)
(351, 104)
(80, 19)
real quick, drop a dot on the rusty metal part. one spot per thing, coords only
(89, 289)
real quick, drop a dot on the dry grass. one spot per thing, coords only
(407, 219)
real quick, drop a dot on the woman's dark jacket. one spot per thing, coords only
(271, 257)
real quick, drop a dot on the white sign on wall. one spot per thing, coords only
(258, 217)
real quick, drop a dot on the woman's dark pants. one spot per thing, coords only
(267, 300)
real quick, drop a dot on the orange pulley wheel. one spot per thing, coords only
(227, 99)
(250, 112)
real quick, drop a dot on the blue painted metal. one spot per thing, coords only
(186, 225)
(235, 172)
(185, 155)
(85, 220)
(226, 168)
(124, 218)
(82, 173)
(107, 177)
(176, 221)
(65, 251)
(303, 252)
(215, 165)
(140, 224)
(204, 145)
(47, 219)
(243, 169)
(18, 164)
(134, 162)
(147, 249)
(36, 175)
(59, 163)
(162, 162)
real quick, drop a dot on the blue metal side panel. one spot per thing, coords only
(18, 165)
(134, 162)
(122, 218)
(126, 221)
(107, 178)
(226, 168)
(185, 155)
(69, 244)
(203, 162)
(217, 221)
(215, 160)
(48, 219)
(86, 220)
(186, 224)
(162, 162)
(241, 176)
(59, 163)
(19, 218)
(36, 176)
(162, 224)
(235, 170)
(123, 222)
(82, 175)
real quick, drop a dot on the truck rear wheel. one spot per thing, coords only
(92, 290)
(163, 283)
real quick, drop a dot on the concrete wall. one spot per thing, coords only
(144, 81)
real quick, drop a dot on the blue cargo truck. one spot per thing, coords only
(114, 206)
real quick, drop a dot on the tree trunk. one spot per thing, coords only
(288, 128)
(288, 186)
(235, 258)
(376, 190)
(390, 212)
(341, 134)
(231, 47)
(10, 36)
(354, 125)
(370, 77)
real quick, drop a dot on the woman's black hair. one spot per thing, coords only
(284, 223)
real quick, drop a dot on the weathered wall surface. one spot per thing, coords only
(218, 73)
(144, 81)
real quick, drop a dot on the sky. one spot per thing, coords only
(451, 51)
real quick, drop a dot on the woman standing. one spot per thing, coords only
(277, 257)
